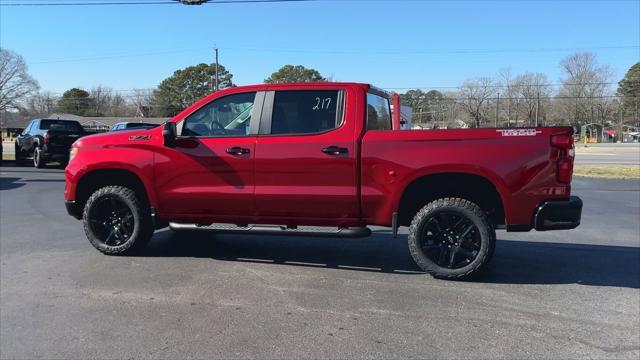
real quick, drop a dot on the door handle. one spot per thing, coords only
(237, 151)
(334, 150)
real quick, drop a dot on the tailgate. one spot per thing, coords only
(62, 139)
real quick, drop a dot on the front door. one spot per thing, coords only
(209, 174)
(306, 158)
(25, 139)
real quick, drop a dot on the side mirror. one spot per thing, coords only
(169, 134)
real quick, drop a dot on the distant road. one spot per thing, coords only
(608, 155)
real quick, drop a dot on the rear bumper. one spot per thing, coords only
(73, 209)
(558, 215)
(56, 151)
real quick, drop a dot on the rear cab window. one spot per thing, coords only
(60, 125)
(306, 111)
(378, 112)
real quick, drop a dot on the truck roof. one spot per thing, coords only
(302, 84)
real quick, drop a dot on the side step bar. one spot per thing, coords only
(319, 231)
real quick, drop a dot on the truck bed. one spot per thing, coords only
(520, 163)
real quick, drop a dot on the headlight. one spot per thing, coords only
(72, 153)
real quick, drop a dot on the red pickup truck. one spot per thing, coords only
(322, 159)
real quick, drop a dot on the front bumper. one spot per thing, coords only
(73, 209)
(558, 215)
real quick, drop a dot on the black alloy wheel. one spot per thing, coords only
(451, 238)
(111, 221)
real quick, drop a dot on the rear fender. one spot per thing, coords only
(487, 174)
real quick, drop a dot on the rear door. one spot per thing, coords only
(306, 157)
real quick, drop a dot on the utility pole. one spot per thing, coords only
(497, 109)
(637, 120)
(509, 108)
(216, 80)
(537, 106)
(620, 137)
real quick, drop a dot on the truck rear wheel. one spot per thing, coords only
(115, 222)
(451, 238)
(38, 159)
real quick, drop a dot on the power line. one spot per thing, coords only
(193, 3)
(558, 97)
(168, 2)
(116, 56)
(427, 51)
(173, 2)
(364, 51)
(497, 86)
(389, 88)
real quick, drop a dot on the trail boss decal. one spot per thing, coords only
(139, 137)
(519, 132)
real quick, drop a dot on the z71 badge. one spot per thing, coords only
(139, 137)
(519, 132)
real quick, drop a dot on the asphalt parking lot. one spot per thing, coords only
(569, 294)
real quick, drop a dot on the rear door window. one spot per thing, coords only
(306, 111)
(378, 112)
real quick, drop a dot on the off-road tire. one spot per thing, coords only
(143, 225)
(38, 159)
(473, 213)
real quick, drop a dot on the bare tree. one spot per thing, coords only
(15, 82)
(40, 104)
(119, 106)
(142, 100)
(475, 96)
(584, 82)
(508, 88)
(534, 90)
(101, 99)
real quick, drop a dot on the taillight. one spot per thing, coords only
(564, 141)
(46, 138)
(564, 170)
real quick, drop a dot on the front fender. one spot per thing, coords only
(88, 160)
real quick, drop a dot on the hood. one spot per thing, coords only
(116, 137)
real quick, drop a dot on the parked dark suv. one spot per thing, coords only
(47, 139)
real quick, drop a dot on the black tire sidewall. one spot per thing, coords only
(470, 211)
(117, 192)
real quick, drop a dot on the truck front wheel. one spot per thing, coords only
(115, 222)
(451, 238)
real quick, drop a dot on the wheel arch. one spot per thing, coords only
(473, 186)
(98, 178)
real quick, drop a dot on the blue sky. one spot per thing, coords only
(393, 44)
